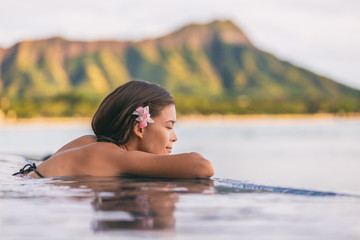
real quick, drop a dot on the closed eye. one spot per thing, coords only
(171, 125)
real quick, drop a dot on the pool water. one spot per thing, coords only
(117, 207)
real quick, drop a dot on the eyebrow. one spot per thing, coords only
(172, 121)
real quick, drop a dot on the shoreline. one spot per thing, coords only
(269, 116)
(82, 121)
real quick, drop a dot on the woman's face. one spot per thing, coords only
(158, 137)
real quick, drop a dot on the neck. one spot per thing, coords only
(131, 145)
(124, 147)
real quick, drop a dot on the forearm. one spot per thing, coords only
(200, 167)
(186, 165)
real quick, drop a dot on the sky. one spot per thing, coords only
(320, 35)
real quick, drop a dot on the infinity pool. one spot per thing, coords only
(138, 208)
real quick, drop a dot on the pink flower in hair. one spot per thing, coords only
(144, 116)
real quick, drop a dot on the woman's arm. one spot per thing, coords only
(109, 160)
(185, 165)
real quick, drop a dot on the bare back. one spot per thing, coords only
(81, 156)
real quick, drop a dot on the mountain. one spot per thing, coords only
(209, 68)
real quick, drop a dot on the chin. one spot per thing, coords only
(161, 152)
(167, 152)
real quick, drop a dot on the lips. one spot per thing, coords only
(169, 149)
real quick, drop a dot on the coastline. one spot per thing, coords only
(225, 117)
(189, 118)
(46, 122)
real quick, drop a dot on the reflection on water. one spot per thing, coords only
(136, 203)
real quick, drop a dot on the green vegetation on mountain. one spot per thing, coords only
(209, 68)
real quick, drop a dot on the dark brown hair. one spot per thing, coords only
(114, 117)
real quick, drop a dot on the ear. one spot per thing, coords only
(138, 131)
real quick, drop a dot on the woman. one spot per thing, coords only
(134, 128)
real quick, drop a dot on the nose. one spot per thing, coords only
(173, 137)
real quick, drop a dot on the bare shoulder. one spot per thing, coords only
(83, 140)
(98, 159)
(83, 156)
(78, 142)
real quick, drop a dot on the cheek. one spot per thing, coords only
(161, 139)
(156, 141)
(163, 142)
